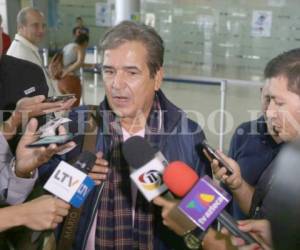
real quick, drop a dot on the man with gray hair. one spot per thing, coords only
(31, 30)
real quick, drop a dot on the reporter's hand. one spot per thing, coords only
(28, 107)
(233, 181)
(259, 229)
(100, 169)
(28, 159)
(168, 207)
(43, 213)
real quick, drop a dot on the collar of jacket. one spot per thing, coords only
(171, 114)
(26, 43)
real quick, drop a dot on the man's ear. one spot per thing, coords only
(158, 78)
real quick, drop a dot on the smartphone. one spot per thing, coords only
(56, 139)
(214, 155)
(59, 98)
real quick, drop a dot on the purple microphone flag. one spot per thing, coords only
(204, 202)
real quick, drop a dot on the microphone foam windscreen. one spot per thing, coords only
(137, 151)
(179, 178)
(86, 161)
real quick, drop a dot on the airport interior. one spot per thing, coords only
(218, 57)
(215, 51)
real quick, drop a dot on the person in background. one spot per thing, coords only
(73, 60)
(6, 41)
(31, 31)
(254, 145)
(80, 28)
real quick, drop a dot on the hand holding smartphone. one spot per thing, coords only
(59, 98)
(213, 154)
(56, 139)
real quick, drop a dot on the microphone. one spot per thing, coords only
(71, 183)
(203, 200)
(148, 165)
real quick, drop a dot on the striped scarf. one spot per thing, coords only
(114, 222)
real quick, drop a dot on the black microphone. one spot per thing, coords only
(148, 165)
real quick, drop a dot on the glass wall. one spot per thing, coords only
(227, 39)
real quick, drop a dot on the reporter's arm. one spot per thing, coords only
(18, 177)
(13, 189)
(42, 213)
(242, 192)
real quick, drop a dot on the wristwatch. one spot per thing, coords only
(193, 238)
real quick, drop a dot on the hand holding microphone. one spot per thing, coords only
(148, 166)
(71, 183)
(43, 213)
(204, 201)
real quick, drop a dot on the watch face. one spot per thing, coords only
(192, 241)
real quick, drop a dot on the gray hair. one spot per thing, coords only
(132, 31)
(22, 15)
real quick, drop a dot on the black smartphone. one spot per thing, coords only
(59, 98)
(214, 155)
(56, 139)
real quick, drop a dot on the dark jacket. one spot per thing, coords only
(18, 79)
(179, 142)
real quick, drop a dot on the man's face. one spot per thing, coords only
(126, 77)
(34, 29)
(283, 111)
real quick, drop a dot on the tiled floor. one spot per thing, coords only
(202, 103)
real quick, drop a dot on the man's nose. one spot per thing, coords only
(271, 111)
(118, 81)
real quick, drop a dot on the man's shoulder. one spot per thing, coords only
(14, 63)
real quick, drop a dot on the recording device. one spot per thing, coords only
(71, 183)
(59, 98)
(203, 200)
(213, 154)
(148, 165)
(54, 139)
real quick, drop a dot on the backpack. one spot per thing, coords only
(56, 66)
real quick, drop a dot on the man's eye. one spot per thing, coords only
(279, 103)
(108, 71)
(132, 73)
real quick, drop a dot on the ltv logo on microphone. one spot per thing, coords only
(204, 202)
(69, 184)
(148, 179)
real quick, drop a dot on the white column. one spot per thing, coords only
(9, 18)
(125, 9)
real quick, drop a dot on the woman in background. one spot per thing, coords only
(73, 60)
